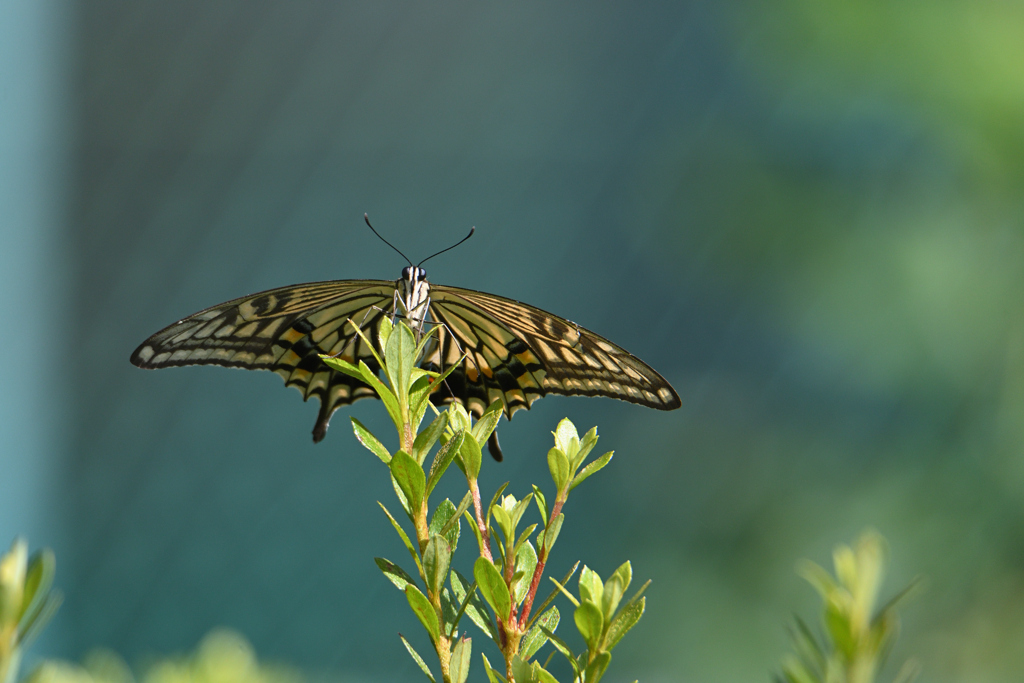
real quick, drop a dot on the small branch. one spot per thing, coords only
(485, 543)
(538, 572)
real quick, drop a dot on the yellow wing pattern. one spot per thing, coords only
(283, 330)
(515, 352)
(519, 353)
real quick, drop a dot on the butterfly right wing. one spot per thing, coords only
(283, 330)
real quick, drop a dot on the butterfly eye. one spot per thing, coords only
(407, 273)
(421, 275)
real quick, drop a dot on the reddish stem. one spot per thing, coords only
(538, 571)
(485, 542)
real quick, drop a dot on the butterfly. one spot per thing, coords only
(504, 349)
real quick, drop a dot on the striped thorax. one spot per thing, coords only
(413, 291)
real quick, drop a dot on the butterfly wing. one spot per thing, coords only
(519, 353)
(283, 330)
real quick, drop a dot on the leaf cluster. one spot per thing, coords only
(510, 561)
(27, 602)
(857, 638)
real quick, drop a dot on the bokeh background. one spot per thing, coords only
(807, 214)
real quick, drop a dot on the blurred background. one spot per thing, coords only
(806, 214)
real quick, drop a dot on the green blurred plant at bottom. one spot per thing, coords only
(857, 639)
(26, 602)
(510, 567)
(223, 656)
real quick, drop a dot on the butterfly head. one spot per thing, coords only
(413, 274)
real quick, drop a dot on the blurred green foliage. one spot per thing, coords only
(223, 656)
(26, 602)
(857, 638)
(860, 198)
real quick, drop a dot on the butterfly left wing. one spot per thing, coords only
(283, 330)
(519, 353)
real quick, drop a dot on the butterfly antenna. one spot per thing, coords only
(366, 217)
(471, 231)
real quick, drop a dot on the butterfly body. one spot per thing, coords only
(504, 349)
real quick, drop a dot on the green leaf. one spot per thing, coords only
(526, 562)
(636, 596)
(796, 672)
(488, 421)
(425, 339)
(558, 464)
(562, 647)
(527, 532)
(449, 612)
(565, 592)
(453, 526)
(37, 583)
(529, 672)
(458, 418)
(551, 533)
(475, 609)
(403, 536)
(442, 523)
(453, 618)
(587, 444)
(424, 384)
(459, 667)
(565, 436)
(32, 623)
(494, 501)
(838, 624)
(388, 398)
(394, 573)
(806, 644)
(493, 588)
(591, 469)
(516, 513)
(437, 557)
(624, 621)
(542, 504)
(371, 442)
(492, 675)
(471, 522)
(552, 594)
(535, 638)
(341, 365)
(410, 478)
(543, 676)
(401, 496)
(384, 330)
(400, 357)
(917, 583)
(416, 658)
(424, 611)
(471, 456)
(817, 576)
(590, 624)
(426, 439)
(504, 522)
(366, 340)
(419, 399)
(598, 665)
(443, 459)
(625, 574)
(591, 586)
(614, 587)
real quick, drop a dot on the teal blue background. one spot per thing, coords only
(806, 215)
